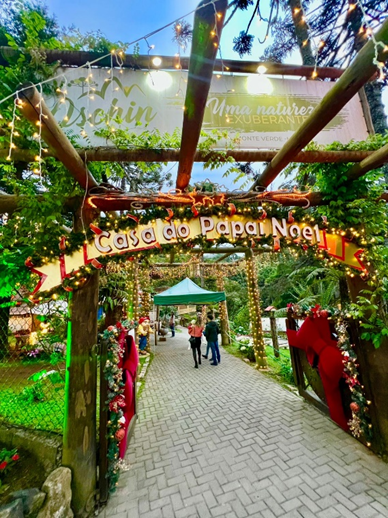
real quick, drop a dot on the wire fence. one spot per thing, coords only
(32, 363)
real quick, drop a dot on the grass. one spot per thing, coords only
(143, 380)
(17, 406)
(38, 406)
(279, 369)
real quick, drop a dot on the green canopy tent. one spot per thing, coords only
(187, 292)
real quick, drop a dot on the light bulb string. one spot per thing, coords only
(11, 144)
(377, 44)
(40, 133)
(97, 60)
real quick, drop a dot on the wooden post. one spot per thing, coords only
(223, 308)
(79, 435)
(157, 324)
(274, 333)
(255, 312)
(374, 375)
(103, 483)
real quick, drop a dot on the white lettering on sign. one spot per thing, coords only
(237, 229)
(134, 238)
(169, 232)
(120, 241)
(251, 228)
(278, 227)
(183, 231)
(294, 231)
(99, 246)
(307, 233)
(148, 236)
(207, 224)
(223, 228)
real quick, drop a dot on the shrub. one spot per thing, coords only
(7, 459)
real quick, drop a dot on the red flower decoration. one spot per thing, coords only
(117, 403)
(3, 465)
(15, 457)
(316, 310)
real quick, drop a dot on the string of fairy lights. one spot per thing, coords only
(116, 61)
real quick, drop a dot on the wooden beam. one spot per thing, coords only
(374, 161)
(208, 24)
(359, 72)
(110, 154)
(9, 203)
(119, 202)
(71, 58)
(35, 110)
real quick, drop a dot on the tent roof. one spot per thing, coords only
(187, 292)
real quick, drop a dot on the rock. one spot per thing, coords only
(58, 489)
(32, 499)
(12, 510)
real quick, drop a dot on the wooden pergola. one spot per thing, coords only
(81, 418)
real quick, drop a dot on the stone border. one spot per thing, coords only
(46, 447)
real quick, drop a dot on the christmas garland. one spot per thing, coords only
(360, 425)
(115, 402)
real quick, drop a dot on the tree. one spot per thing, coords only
(340, 28)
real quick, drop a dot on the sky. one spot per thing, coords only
(129, 20)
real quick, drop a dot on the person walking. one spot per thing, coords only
(172, 325)
(143, 332)
(211, 334)
(195, 331)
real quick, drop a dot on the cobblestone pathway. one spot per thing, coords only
(227, 441)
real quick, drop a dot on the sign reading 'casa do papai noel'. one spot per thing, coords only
(212, 228)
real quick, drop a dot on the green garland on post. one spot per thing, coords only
(115, 401)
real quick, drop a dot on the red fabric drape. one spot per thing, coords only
(129, 363)
(314, 337)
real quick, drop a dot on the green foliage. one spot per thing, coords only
(43, 384)
(13, 271)
(8, 459)
(242, 319)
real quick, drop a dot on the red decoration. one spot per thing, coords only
(276, 244)
(232, 208)
(170, 214)
(194, 211)
(3, 465)
(314, 337)
(131, 216)
(62, 244)
(324, 219)
(28, 262)
(264, 215)
(96, 264)
(116, 403)
(15, 457)
(95, 229)
(316, 310)
(324, 313)
(290, 217)
(354, 407)
(120, 434)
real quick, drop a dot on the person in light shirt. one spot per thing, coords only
(195, 331)
(143, 332)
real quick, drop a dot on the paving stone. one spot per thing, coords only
(231, 442)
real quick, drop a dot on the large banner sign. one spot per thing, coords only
(161, 232)
(263, 111)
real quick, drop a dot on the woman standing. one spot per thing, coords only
(195, 331)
